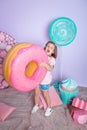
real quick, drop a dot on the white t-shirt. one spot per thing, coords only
(48, 76)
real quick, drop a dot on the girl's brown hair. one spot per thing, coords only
(55, 50)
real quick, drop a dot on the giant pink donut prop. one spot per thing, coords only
(24, 56)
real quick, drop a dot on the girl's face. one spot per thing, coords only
(50, 49)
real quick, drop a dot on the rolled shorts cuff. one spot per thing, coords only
(44, 86)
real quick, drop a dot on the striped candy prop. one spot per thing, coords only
(79, 103)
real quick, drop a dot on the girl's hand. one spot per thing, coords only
(43, 64)
(47, 66)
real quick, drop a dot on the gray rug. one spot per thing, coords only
(22, 119)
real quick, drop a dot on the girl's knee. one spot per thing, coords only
(45, 93)
(37, 91)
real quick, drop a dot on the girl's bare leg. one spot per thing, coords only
(48, 101)
(47, 98)
(37, 94)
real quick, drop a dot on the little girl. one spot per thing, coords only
(51, 51)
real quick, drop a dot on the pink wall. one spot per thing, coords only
(29, 20)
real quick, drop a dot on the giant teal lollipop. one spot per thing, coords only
(62, 31)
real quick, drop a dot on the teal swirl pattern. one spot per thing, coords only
(62, 31)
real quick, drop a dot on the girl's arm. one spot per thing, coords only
(47, 66)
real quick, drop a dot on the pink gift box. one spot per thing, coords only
(54, 96)
(79, 103)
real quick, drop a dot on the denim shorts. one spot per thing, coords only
(44, 86)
